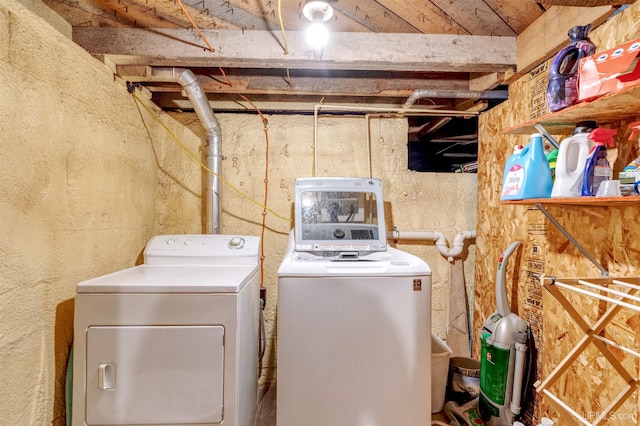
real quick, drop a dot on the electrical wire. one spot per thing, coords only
(204, 167)
(184, 10)
(209, 47)
(284, 35)
(284, 38)
(263, 332)
(266, 185)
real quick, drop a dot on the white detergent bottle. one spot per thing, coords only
(572, 157)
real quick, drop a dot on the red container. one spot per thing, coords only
(606, 72)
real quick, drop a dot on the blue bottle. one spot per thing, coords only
(528, 174)
(597, 167)
(562, 90)
(517, 149)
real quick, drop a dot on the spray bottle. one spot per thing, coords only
(597, 167)
(571, 160)
(562, 90)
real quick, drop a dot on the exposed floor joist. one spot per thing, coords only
(263, 49)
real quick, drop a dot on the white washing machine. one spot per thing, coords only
(173, 341)
(354, 316)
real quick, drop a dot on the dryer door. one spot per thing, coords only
(154, 375)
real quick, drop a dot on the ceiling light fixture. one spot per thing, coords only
(318, 12)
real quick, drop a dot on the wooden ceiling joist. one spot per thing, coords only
(548, 34)
(263, 49)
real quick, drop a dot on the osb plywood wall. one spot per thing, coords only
(610, 234)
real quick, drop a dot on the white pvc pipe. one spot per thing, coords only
(441, 242)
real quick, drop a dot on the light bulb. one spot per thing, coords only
(317, 12)
(317, 35)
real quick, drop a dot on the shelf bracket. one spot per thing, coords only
(541, 129)
(603, 271)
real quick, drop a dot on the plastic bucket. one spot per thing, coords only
(464, 380)
(440, 355)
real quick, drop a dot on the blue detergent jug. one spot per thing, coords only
(527, 174)
(562, 90)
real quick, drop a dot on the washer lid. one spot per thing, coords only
(339, 215)
(172, 279)
(392, 263)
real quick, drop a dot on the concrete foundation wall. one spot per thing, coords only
(444, 202)
(85, 183)
(89, 176)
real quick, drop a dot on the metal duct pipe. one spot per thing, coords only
(211, 148)
(457, 94)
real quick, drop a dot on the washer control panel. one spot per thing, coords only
(200, 249)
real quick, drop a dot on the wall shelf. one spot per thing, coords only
(612, 107)
(579, 201)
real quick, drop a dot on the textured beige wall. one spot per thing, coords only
(81, 194)
(89, 177)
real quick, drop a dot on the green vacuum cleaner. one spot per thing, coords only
(502, 356)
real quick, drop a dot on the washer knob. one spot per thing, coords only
(236, 242)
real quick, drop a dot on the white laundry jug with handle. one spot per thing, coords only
(572, 158)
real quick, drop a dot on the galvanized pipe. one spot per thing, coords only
(211, 148)
(456, 94)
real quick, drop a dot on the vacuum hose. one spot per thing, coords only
(518, 373)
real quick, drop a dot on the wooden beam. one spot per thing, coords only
(518, 14)
(262, 49)
(476, 17)
(486, 81)
(347, 87)
(373, 16)
(585, 3)
(548, 34)
(362, 83)
(231, 102)
(424, 15)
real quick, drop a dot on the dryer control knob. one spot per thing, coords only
(236, 242)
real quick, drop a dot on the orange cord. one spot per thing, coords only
(266, 133)
(184, 10)
(264, 211)
(209, 47)
(266, 186)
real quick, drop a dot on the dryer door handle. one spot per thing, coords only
(107, 376)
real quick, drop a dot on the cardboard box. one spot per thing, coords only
(609, 71)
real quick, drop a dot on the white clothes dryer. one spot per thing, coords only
(173, 341)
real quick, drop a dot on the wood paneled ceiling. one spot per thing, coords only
(379, 53)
